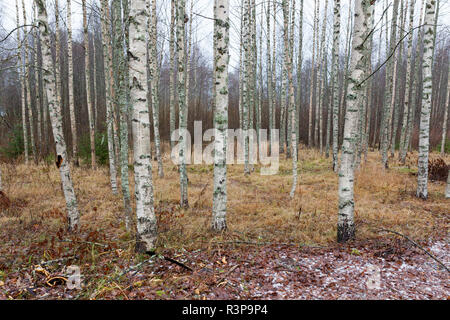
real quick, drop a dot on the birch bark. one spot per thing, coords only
(153, 57)
(146, 219)
(346, 225)
(73, 123)
(172, 83)
(390, 91)
(87, 61)
(26, 83)
(335, 80)
(424, 133)
(56, 119)
(109, 103)
(22, 82)
(181, 39)
(222, 22)
(312, 82)
(409, 84)
(445, 121)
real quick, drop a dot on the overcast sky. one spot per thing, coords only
(204, 26)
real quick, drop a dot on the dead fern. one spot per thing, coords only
(437, 170)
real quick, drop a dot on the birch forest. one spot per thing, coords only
(224, 149)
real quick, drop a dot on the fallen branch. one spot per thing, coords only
(135, 267)
(88, 242)
(178, 263)
(57, 260)
(226, 275)
(418, 246)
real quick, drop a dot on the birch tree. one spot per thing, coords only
(424, 132)
(87, 61)
(269, 72)
(73, 125)
(445, 121)
(182, 101)
(146, 219)
(56, 119)
(390, 91)
(312, 83)
(172, 83)
(121, 85)
(321, 81)
(416, 73)
(409, 83)
(36, 76)
(22, 81)
(396, 84)
(346, 225)
(299, 70)
(241, 67)
(221, 16)
(288, 54)
(26, 82)
(335, 80)
(153, 57)
(291, 106)
(106, 39)
(246, 85)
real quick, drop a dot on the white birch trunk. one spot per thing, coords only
(37, 84)
(288, 54)
(424, 133)
(222, 22)
(321, 81)
(108, 88)
(73, 125)
(88, 86)
(346, 224)
(56, 119)
(390, 91)
(446, 106)
(21, 81)
(172, 83)
(313, 68)
(335, 81)
(246, 85)
(146, 219)
(181, 37)
(154, 79)
(409, 84)
(26, 84)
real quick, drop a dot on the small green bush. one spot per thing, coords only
(15, 146)
(101, 148)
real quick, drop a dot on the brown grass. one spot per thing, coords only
(259, 207)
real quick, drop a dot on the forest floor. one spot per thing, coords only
(274, 248)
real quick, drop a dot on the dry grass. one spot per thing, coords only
(259, 206)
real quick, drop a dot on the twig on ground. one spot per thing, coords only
(175, 262)
(226, 275)
(88, 242)
(57, 260)
(417, 245)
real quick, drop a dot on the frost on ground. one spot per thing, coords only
(371, 270)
